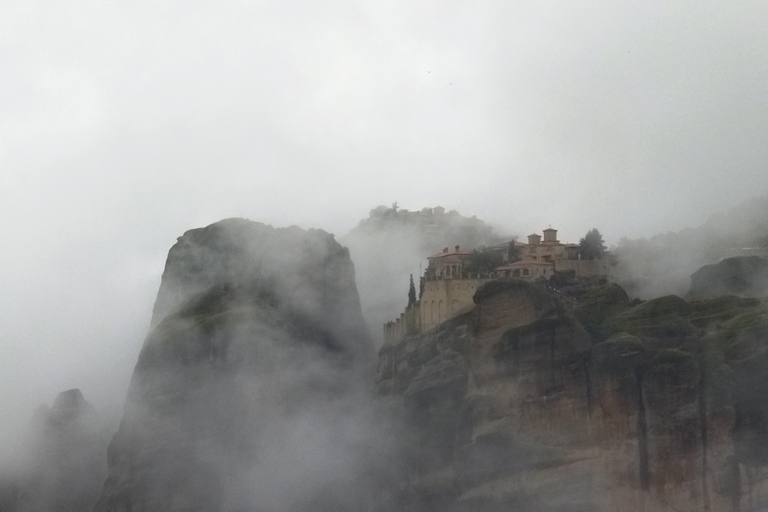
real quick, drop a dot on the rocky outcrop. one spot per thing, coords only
(532, 402)
(63, 466)
(745, 276)
(246, 394)
(599, 304)
(305, 270)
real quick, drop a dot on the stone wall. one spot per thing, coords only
(586, 268)
(408, 323)
(442, 299)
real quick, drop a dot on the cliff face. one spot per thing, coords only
(538, 403)
(244, 396)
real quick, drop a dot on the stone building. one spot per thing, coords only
(445, 298)
(447, 264)
(542, 258)
(441, 300)
(448, 289)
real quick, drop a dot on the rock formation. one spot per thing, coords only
(535, 402)
(251, 394)
(745, 276)
(63, 465)
(247, 392)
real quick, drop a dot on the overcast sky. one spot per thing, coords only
(124, 124)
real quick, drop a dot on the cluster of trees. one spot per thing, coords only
(591, 245)
(482, 260)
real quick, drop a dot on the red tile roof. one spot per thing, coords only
(451, 252)
(506, 244)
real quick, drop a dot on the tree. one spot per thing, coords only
(482, 261)
(513, 253)
(592, 245)
(411, 293)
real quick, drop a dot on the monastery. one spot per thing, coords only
(448, 287)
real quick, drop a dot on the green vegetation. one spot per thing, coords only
(482, 261)
(672, 359)
(592, 245)
(513, 253)
(620, 345)
(659, 318)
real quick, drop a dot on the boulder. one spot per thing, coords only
(744, 276)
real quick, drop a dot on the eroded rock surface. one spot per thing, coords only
(535, 402)
(249, 389)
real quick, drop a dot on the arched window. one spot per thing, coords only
(526, 272)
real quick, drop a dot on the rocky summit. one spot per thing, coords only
(243, 397)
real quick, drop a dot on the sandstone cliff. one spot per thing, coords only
(246, 393)
(535, 402)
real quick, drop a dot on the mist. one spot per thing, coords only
(122, 128)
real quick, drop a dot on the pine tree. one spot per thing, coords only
(592, 246)
(411, 293)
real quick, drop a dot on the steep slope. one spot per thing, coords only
(246, 394)
(533, 402)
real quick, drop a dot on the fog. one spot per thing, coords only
(123, 126)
